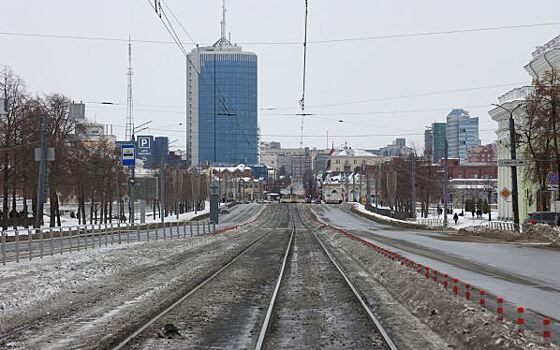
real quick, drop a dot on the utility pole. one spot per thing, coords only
(513, 154)
(162, 189)
(118, 195)
(413, 189)
(129, 132)
(42, 181)
(177, 193)
(445, 178)
(377, 184)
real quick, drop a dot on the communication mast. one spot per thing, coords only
(129, 128)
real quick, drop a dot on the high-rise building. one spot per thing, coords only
(428, 140)
(222, 125)
(439, 133)
(462, 133)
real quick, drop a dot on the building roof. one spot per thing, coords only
(349, 152)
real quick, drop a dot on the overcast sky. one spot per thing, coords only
(488, 63)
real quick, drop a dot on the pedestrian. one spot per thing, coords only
(455, 218)
(473, 213)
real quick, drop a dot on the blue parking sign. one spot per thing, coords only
(128, 155)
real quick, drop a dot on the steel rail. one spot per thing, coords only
(386, 338)
(154, 319)
(268, 317)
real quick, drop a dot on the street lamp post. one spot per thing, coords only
(513, 154)
(135, 130)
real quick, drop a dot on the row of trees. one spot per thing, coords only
(85, 172)
(82, 171)
(539, 134)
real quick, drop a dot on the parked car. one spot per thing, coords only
(543, 217)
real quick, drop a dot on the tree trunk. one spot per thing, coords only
(5, 190)
(52, 209)
(91, 208)
(57, 206)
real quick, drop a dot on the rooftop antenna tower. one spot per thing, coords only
(129, 128)
(223, 23)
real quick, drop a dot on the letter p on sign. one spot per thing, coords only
(144, 142)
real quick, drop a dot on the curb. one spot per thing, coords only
(456, 286)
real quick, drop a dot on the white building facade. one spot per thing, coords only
(544, 58)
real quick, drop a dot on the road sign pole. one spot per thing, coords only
(515, 202)
(42, 172)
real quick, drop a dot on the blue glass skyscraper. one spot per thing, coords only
(222, 104)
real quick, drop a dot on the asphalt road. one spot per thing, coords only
(524, 275)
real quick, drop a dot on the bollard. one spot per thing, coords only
(467, 291)
(435, 276)
(520, 322)
(197, 229)
(445, 277)
(546, 331)
(164, 233)
(157, 232)
(190, 227)
(138, 232)
(119, 233)
(147, 232)
(500, 308)
(482, 300)
(455, 286)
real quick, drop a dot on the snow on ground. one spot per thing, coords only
(67, 222)
(464, 221)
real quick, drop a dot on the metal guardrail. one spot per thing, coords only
(502, 226)
(430, 222)
(16, 245)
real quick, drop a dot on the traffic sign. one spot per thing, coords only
(144, 142)
(505, 193)
(50, 154)
(3, 106)
(128, 155)
(511, 162)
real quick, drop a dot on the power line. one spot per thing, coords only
(273, 43)
(345, 103)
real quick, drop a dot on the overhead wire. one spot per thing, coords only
(291, 43)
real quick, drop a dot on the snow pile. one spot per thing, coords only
(543, 233)
(360, 209)
(465, 325)
(487, 232)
